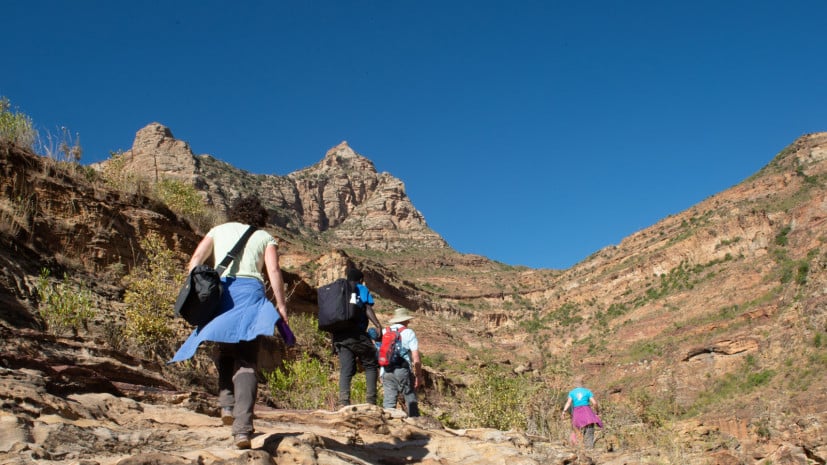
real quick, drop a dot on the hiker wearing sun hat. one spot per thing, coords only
(405, 378)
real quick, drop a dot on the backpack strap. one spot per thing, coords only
(235, 250)
(397, 331)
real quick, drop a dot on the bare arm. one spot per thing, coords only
(593, 401)
(271, 262)
(417, 366)
(566, 407)
(372, 317)
(201, 254)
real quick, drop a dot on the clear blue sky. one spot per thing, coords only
(531, 132)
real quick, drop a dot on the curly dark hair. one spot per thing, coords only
(248, 210)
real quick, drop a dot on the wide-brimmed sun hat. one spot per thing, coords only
(401, 315)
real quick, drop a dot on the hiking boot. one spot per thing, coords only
(227, 416)
(242, 441)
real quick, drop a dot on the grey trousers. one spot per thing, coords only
(400, 381)
(237, 382)
(588, 436)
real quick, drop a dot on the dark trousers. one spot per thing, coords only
(237, 382)
(350, 349)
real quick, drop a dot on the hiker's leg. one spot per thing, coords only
(390, 385)
(409, 394)
(371, 375)
(347, 368)
(588, 436)
(245, 384)
(370, 362)
(225, 364)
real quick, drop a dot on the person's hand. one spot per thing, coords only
(282, 311)
(373, 334)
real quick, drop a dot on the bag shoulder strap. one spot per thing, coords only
(235, 250)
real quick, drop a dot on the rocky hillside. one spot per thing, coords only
(704, 335)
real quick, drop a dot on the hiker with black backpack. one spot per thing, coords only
(402, 371)
(351, 341)
(245, 311)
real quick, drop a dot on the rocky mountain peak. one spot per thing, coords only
(342, 194)
(341, 150)
(343, 157)
(156, 152)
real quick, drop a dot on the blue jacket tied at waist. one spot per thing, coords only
(246, 314)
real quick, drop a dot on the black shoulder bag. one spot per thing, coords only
(199, 301)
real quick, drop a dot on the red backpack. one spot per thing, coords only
(390, 351)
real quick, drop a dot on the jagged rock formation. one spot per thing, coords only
(342, 195)
(361, 208)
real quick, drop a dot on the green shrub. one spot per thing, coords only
(304, 383)
(151, 290)
(645, 349)
(532, 324)
(498, 400)
(781, 239)
(567, 314)
(182, 198)
(306, 328)
(654, 411)
(16, 127)
(801, 273)
(63, 306)
(117, 177)
(437, 360)
(359, 389)
(734, 385)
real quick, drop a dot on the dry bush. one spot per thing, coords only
(16, 127)
(151, 290)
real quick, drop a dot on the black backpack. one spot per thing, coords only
(340, 308)
(200, 299)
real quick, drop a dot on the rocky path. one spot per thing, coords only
(104, 429)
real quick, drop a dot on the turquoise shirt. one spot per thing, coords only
(580, 396)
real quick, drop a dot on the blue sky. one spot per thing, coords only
(531, 132)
